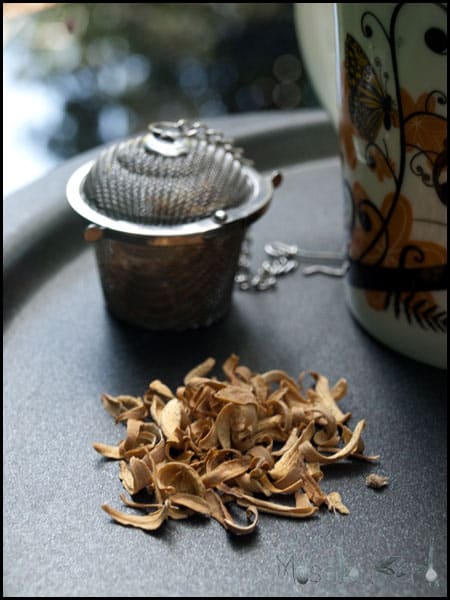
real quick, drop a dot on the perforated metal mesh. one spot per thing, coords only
(131, 181)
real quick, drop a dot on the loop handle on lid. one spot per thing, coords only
(167, 138)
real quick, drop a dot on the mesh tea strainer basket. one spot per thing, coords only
(168, 212)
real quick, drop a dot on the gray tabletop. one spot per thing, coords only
(62, 349)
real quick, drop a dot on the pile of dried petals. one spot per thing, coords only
(244, 440)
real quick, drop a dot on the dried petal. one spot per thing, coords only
(264, 456)
(376, 481)
(181, 477)
(139, 505)
(170, 420)
(117, 405)
(302, 500)
(270, 507)
(226, 471)
(195, 503)
(236, 395)
(311, 454)
(135, 476)
(156, 408)
(217, 508)
(160, 388)
(210, 439)
(252, 516)
(139, 413)
(334, 503)
(236, 426)
(229, 367)
(324, 400)
(133, 429)
(223, 426)
(107, 451)
(289, 460)
(260, 388)
(148, 522)
(200, 370)
(339, 389)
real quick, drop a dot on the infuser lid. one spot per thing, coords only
(179, 179)
(176, 173)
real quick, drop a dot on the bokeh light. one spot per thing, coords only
(104, 71)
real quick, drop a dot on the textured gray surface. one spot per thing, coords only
(62, 349)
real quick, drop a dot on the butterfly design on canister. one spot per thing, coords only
(370, 106)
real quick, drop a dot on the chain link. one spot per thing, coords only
(282, 259)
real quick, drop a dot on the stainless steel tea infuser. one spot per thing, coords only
(168, 212)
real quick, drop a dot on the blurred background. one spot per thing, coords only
(77, 75)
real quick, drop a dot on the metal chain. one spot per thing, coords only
(202, 131)
(282, 259)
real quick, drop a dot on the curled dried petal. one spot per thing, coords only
(260, 388)
(181, 477)
(327, 438)
(209, 440)
(243, 373)
(347, 434)
(339, 390)
(107, 451)
(251, 485)
(264, 456)
(229, 368)
(200, 370)
(236, 395)
(315, 471)
(293, 436)
(133, 429)
(138, 412)
(223, 426)
(226, 471)
(157, 453)
(252, 517)
(139, 505)
(280, 377)
(136, 475)
(217, 508)
(148, 522)
(281, 409)
(216, 456)
(289, 460)
(117, 405)
(141, 437)
(195, 503)
(177, 512)
(160, 388)
(185, 456)
(275, 508)
(171, 419)
(156, 408)
(236, 426)
(311, 454)
(196, 383)
(323, 399)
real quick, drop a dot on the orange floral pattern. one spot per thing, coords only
(389, 249)
(368, 225)
(423, 128)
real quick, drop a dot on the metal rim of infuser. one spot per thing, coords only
(169, 142)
